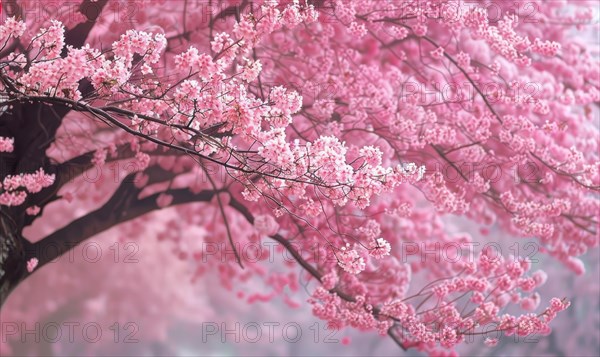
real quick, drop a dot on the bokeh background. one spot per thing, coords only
(125, 293)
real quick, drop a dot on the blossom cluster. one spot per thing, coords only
(444, 313)
(16, 188)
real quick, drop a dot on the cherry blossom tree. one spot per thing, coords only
(352, 134)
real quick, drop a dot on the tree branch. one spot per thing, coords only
(122, 207)
(307, 266)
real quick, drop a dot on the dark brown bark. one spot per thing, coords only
(14, 253)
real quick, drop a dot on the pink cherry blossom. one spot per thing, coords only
(7, 144)
(31, 264)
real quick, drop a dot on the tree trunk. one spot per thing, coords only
(13, 259)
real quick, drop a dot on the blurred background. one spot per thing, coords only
(125, 293)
